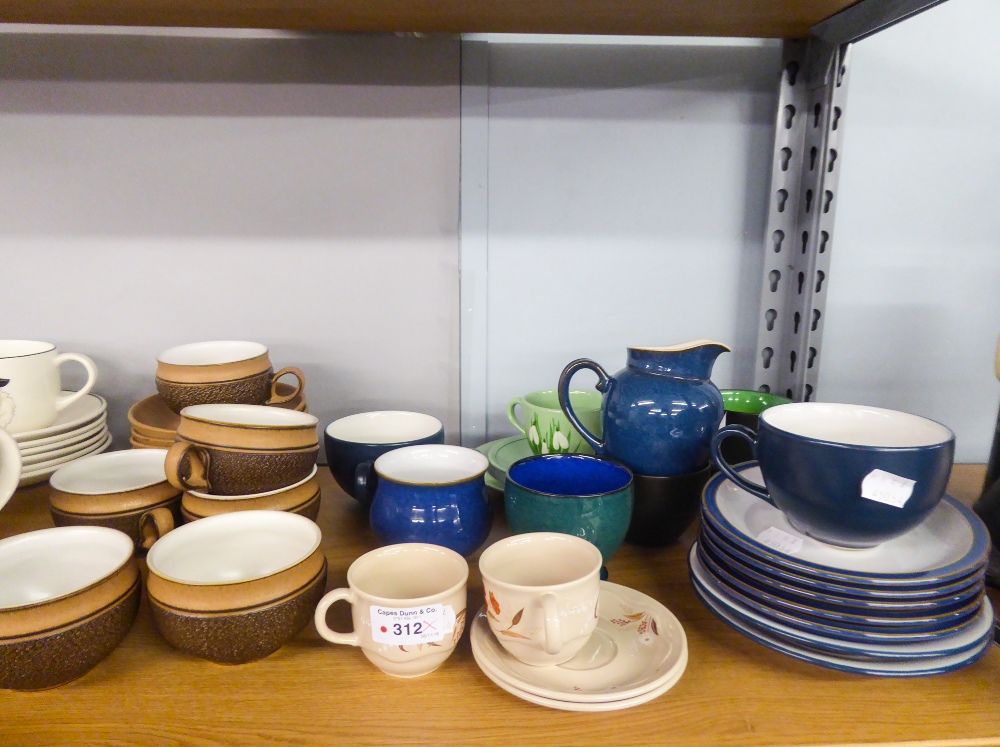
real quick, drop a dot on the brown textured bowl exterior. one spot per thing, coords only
(235, 472)
(244, 635)
(302, 499)
(127, 521)
(251, 390)
(63, 654)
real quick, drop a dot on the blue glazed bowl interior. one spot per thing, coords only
(569, 475)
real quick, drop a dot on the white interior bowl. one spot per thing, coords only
(211, 353)
(115, 472)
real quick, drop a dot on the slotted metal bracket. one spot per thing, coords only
(799, 237)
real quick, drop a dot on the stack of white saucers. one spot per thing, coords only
(80, 429)
(912, 606)
(637, 652)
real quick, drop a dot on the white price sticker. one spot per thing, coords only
(401, 626)
(780, 540)
(886, 487)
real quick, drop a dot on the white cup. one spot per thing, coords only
(30, 388)
(408, 607)
(10, 466)
(541, 591)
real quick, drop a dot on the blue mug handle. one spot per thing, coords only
(725, 468)
(364, 483)
(604, 384)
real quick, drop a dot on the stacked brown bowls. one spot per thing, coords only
(237, 457)
(219, 372)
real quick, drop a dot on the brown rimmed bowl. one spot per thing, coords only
(123, 490)
(234, 588)
(302, 498)
(68, 596)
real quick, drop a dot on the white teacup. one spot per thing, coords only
(541, 592)
(408, 607)
(30, 388)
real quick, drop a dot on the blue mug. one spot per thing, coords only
(353, 443)
(434, 494)
(848, 475)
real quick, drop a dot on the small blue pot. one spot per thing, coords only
(353, 443)
(434, 494)
(585, 496)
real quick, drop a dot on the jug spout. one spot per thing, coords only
(693, 359)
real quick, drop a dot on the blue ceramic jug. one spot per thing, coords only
(659, 412)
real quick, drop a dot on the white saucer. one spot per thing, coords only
(42, 472)
(637, 647)
(85, 409)
(951, 542)
(564, 705)
(85, 431)
(29, 461)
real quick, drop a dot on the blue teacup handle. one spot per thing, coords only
(364, 483)
(604, 384)
(725, 468)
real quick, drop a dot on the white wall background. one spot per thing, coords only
(298, 191)
(303, 191)
(913, 311)
(627, 197)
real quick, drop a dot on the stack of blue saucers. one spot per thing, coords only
(912, 606)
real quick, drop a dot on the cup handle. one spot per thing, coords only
(364, 484)
(604, 384)
(197, 458)
(300, 382)
(512, 417)
(553, 631)
(154, 524)
(349, 639)
(725, 468)
(89, 366)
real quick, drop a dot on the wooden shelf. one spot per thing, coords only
(749, 18)
(734, 692)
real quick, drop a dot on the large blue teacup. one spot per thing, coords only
(847, 475)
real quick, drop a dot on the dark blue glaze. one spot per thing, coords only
(578, 494)
(455, 515)
(351, 462)
(817, 484)
(659, 412)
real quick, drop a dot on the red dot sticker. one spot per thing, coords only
(384, 629)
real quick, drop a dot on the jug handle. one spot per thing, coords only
(725, 468)
(604, 384)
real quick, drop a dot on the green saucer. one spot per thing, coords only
(502, 453)
(491, 481)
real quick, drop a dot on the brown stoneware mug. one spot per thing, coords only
(124, 490)
(241, 449)
(234, 588)
(302, 498)
(68, 596)
(223, 371)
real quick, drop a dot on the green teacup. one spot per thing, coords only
(743, 407)
(547, 429)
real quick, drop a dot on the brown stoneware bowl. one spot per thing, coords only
(123, 490)
(302, 498)
(152, 420)
(224, 371)
(68, 596)
(241, 449)
(234, 588)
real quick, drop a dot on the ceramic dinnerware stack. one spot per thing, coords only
(244, 457)
(553, 634)
(913, 605)
(217, 372)
(79, 430)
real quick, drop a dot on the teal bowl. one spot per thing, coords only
(585, 496)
